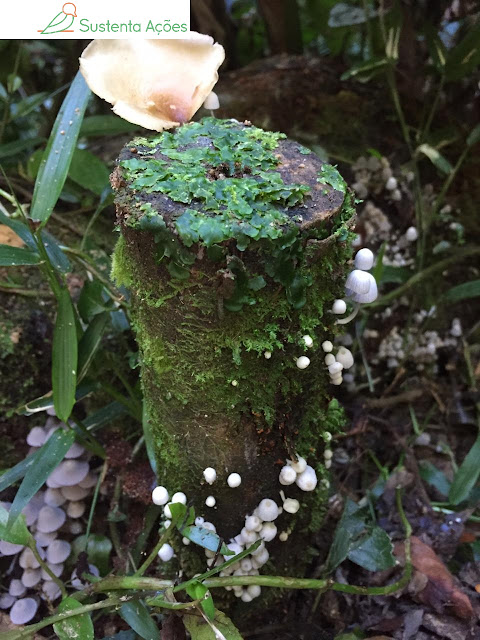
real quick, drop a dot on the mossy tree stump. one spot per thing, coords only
(234, 243)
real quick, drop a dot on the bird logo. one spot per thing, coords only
(62, 22)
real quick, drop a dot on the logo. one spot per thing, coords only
(62, 22)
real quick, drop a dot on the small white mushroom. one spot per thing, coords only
(76, 509)
(74, 493)
(199, 521)
(55, 567)
(160, 496)
(75, 527)
(259, 559)
(288, 475)
(358, 282)
(267, 355)
(179, 497)
(166, 552)
(299, 466)
(335, 368)
(27, 560)
(268, 531)
(329, 359)
(345, 357)
(327, 346)
(246, 597)
(89, 481)
(50, 519)
(235, 547)
(54, 497)
(411, 234)
(51, 590)
(210, 501)
(370, 296)
(252, 522)
(212, 102)
(248, 537)
(31, 577)
(245, 565)
(364, 259)
(23, 611)
(44, 539)
(210, 475)
(6, 601)
(16, 588)
(391, 184)
(328, 454)
(268, 510)
(36, 437)
(58, 551)
(291, 506)
(283, 537)
(185, 541)
(308, 340)
(339, 307)
(254, 590)
(302, 362)
(337, 381)
(307, 480)
(210, 526)
(75, 451)
(9, 549)
(234, 480)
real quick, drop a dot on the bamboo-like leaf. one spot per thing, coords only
(138, 617)
(467, 475)
(439, 161)
(41, 465)
(16, 256)
(64, 357)
(16, 534)
(474, 136)
(463, 291)
(90, 341)
(60, 148)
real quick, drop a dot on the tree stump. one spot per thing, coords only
(234, 244)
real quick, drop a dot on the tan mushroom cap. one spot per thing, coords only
(157, 84)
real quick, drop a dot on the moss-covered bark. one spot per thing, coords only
(233, 244)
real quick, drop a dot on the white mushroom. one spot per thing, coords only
(68, 473)
(44, 539)
(58, 551)
(9, 549)
(54, 497)
(210, 475)
(308, 340)
(75, 451)
(254, 590)
(368, 296)
(36, 437)
(6, 601)
(79, 584)
(329, 359)
(358, 282)
(28, 561)
(268, 510)
(327, 346)
(55, 567)
(248, 537)
(391, 184)
(268, 531)
(160, 496)
(345, 357)
(51, 590)
(210, 501)
(31, 577)
(291, 506)
(157, 84)
(299, 466)
(166, 553)
(234, 480)
(339, 307)
(411, 234)
(302, 362)
(335, 368)
(212, 102)
(364, 259)
(89, 481)
(23, 611)
(288, 475)
(307, 480)
(252, 522)
(16, 588)
(50, 519)
(74, 493)
(76, 509)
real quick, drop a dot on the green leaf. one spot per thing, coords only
(464, 58)
(200, 629)
(90, 342)
(106, 126)
(373, 552)
(10, 149)
(198, 591)
(463, 291)
(45, 460)
(16, 256)
(58, 154)
(352, 524)
(17, 533)
(206, 539)
(98, 551)
(436, 48)
(436, 478)
(467, 475)
(474, 136)
(104, 416)
(28, 104)
(87, 170)
(330, 175)
(439, 161)
(80, 626)
(64, 357)
(138, 617)
(91, 301)
(16, 473)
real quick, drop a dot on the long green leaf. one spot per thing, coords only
(90, 341)
(10, 149)
(138, 617)
(64, 357)
(17, 472)
(87, 170)
(77, 627)
(463, 291)
(58, 154)
(467, 476)
(474, 136)
(16, 534)
(45, 460)
(16, 256)
(439, 161)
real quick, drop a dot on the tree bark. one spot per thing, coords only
(209, 309)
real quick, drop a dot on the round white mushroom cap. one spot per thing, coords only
(391, 184)
(6, 601)
(27, 559)
(248, 537)
(58, 551)
(234, 480)
(267, 355)
(179, 497)
(16, 588)
(68, 473)
(160, 496)
(210, 501)
(268, 531)
(76, 509)
(345, 357)
(254, 590)
(23, 611)
(268, 510)
(370, 296)
(307, 480)
(75, 451)
(54, 497)
(298, 466)
(44, 539)
(74, 493)
(252, 522)
(339, 306)
(89, 481)
(411, 234)
(210, 475)
(308, 340)
(31, 577)
(55, 567)
(9, 549)
(358, 282)
(364, 259)
(51, 590)
(36, 437)
(212, 102)
(288, 475)
(50, 519)
(291, 505)
(329, 359)
(260, 559)
(166, 552)
(327, 346)
(302, 362)
(335, 368)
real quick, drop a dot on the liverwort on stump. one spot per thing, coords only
(234, 245)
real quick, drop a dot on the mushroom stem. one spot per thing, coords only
(351, 316)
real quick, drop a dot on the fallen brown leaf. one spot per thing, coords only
(7, 236)
(432, 582)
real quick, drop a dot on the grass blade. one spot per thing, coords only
(467, 476)
(16, 256)
(90, 341)
(45, 460)
(60, 148)
(64, 357)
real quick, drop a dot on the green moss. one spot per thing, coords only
(121, 271)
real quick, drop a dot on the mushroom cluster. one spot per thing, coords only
(374, 176)
(51, 515)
